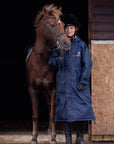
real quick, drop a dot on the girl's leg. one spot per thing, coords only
(80, 132)
(67, 131)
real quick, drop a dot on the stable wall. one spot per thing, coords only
(102, 82)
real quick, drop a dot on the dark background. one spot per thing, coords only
(17, 33)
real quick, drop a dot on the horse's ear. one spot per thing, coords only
(45, 11)
(60, 8)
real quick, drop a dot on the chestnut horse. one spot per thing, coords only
(49, 32)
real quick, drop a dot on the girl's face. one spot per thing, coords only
(70, 30)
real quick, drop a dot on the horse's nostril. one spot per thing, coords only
(66, 44)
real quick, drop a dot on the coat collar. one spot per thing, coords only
(74, 40)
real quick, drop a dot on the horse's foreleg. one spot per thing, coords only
(52, 117)
(48, 100)
(34, 100)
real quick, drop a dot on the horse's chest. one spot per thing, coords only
(45, 79)
(43, 84)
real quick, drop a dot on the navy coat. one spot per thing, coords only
(73, 104)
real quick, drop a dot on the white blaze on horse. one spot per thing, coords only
(49, 31)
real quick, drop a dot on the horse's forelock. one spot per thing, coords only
(51, 10)
(55, 11)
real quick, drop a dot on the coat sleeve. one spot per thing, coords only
(54, 60)
(86, 65)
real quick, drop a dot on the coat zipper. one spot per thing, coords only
(72, 59)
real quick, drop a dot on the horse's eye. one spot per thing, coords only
(52, 25)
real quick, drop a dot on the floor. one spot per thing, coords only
(17, 133)
(43, 138)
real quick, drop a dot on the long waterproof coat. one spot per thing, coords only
(73, 104)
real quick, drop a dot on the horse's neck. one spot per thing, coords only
(41, 46)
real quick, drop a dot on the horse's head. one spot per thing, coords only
(52, 28)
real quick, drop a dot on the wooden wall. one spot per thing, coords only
(101, 44)
(102, 78)
(101, 19)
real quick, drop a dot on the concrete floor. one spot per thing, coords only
(19, 133)
(43, 138)
(25, 138)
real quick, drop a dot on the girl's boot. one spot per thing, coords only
(80, 132)
(67, 131)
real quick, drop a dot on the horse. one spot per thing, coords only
(49, 32)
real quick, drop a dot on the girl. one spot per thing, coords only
(72, 81)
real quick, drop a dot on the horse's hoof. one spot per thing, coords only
(53, 142)
(49, 131)
(34, 142)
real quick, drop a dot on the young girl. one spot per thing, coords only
(72, 81)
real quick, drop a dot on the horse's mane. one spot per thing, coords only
(52, 11)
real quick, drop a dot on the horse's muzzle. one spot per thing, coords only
(64, 44)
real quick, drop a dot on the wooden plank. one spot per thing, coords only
(102, 35)
(103, 7)
(103, 10)
(102, 138)
(103, 2)
(103, 27)
(101, 18)
(90, 4)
